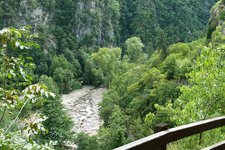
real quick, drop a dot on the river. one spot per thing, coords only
(82, 106)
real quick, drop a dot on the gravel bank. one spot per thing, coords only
(82, 106)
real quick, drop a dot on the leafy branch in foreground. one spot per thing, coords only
(16, 91)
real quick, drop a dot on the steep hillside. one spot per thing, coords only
(176, 18)
(69, 31)
(180, 84)
(128, 47)
(105, 23)
(216, 19)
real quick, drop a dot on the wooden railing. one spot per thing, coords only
(159, 140)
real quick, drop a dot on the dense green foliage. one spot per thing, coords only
(151, 55)
(72, 30)
(173, 90)
(57, 124)
(19, 125)
(177, 85)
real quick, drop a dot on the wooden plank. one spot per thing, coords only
(161, 127)
(218, 146)
(156, 140)
(158, 128)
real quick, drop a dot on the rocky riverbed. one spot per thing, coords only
(82, 106)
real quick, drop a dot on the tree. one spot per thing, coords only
(161, 42)
(144, 22)
(64, 72)
(114, 135)
(59, 61)
(16, 91)
(105, 64)
(86, 142)
(58, 123)
(203, 98)
(134, 48)
(64, 79)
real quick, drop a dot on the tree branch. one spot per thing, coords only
(16, 116)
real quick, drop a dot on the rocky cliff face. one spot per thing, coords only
(217, 18)
(89, 22)
(32, 13)
(106, 22)
(94, 22)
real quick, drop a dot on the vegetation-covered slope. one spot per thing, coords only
(181, 84)
(71, 30)
(131, 48)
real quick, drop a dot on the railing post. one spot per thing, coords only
(161, 127)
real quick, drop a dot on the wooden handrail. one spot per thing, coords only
(218, 146)
(164, 137)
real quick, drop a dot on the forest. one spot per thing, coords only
(159, 60)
